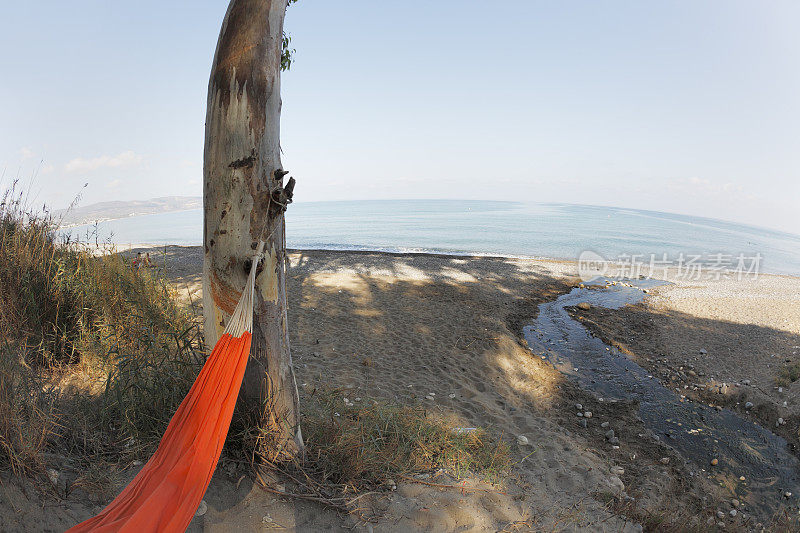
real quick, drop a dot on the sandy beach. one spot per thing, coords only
(402, 326)
(445, 332)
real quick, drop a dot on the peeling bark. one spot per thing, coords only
(241, 171)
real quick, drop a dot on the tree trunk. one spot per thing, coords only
(243, 193)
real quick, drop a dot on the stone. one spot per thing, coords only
(610, 434)
(733, 512)
(522, 440)
(580, 414)
(614, 441)
(748, 405)
(202, 508)
(585, 306)
(579, 407)
(617, 470)
(665, 460)
(703, 351)
(616, 483)
(720, 514)
(53, 476)
(588, 414)
(604, 425)
(714, 461)
(735, 503)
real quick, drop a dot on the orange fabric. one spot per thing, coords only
(165, 494)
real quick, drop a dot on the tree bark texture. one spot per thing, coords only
(242, 193)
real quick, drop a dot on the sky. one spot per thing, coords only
(689, 107)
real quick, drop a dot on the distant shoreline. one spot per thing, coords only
(132, 215)
(481, 229)
(562, 262)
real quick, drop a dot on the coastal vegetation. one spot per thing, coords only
(97, 354)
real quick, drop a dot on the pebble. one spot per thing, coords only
(748, 405)
(610, 434)
(604, 425)
(391, 484)
(780, 422)
(616, 483)
(741, 478)
(202, 508)
(720, 514)
(451, 395)
(614, 442)
(735, 503)
(714, 461)
(588, 414)
(53, 475)
(746, 382)
(733, 512)
(580, 414)
(665, 460)
(522, 440)
(703, 351)
(787, 494)
(579, 407)
(585, 306)
(617, 470)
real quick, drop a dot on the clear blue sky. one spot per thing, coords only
(690, 107)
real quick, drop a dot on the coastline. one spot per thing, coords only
(444, 334)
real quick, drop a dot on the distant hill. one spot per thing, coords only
(119, 209)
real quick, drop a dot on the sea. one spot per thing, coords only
(496, 228)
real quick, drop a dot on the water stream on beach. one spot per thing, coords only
(698, 432)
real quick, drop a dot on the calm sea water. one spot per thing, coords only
(492, 228)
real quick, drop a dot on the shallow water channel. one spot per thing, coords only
(698, 432)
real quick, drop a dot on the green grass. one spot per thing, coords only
(788, 374)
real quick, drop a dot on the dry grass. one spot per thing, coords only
(368, 442)
(96, 357)
(68, 316)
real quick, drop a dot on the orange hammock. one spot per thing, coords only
(165, 494)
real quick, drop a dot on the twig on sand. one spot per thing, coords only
(446, 486)
(338, 503)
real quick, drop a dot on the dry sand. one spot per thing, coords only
(452, 326)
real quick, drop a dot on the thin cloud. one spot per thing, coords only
(26, 153)
(124, 159)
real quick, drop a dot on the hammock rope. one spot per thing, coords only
(165, 494)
